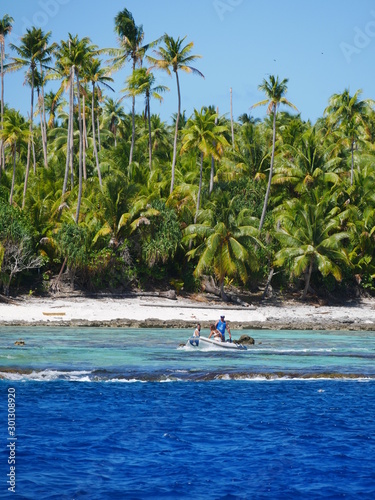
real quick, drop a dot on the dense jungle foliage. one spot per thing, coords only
(118, 200)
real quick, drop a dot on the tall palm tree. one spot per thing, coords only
(203, 134)
(45, 58)
(311, 236)
(275, 92)
(226, 243)
(177, 57)
(141, 82)
(131, 39)
(14, 134)
(351, 114)
(71, 59)
(98, 76)
(33, 50)
(6, 24)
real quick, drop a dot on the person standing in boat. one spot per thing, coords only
(221, 325)
(197, 331)
(217, 335)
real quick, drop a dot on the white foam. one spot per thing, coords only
(47, 376)
(125, 380)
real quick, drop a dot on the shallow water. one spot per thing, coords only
(291, 417)
(157, 355)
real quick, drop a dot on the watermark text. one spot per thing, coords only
(12, 440)
(223, 7)
(361, 39)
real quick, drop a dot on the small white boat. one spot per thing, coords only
(196, 341)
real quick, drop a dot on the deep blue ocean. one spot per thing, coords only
(132, 414)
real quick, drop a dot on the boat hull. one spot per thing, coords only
(196, 341)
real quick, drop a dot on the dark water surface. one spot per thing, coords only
(113, 413)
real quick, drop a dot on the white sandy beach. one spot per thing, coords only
(157, 311)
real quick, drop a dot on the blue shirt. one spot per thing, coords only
(221, 326)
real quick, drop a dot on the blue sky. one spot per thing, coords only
(322, 47)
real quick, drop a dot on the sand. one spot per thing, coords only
(143, 311)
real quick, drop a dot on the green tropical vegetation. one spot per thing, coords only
(115, 200)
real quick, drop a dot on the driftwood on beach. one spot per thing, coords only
(209, 286)
(7, 300)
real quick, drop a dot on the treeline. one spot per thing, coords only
(118, 199)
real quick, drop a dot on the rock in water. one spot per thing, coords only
(245, 340)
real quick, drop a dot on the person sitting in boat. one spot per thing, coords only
(197, 331)
(215, 333)
(221, 325)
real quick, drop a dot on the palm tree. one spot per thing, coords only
(6, 24)
(362, 227)
(161, 142)
(131, 39)
(33, 50)
(251, 144)
(114, 203)
(350, 113)
(226, 242)
(203, 134)
(52, 102)
(71, 59)
(114, 116)
(44, 59)
(310, 162)
(310, 235)
(14, 134)
(141, 82)
(176, 57)
(97, 76)
(275, 92)
(119, 210)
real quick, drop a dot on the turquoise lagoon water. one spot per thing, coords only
(130, 413)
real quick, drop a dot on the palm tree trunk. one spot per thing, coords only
(212, 174)
(30, 140)
(2, 155)
(68, 139)
(43, 119)
(223, 295)
(34, 157)
(231, 117)
(80, 152)
(43, 132)
(84, 121)
(71, 141)
(352, 168)
(45, 148)
(14, 174)
(133, 123)
(84, 138)
(149, 134)
(271, 171)
(199, 191)
(176, 133)
(26, 172)
(98, 126)
(93, 135)
(308, 277)
(133, 131)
